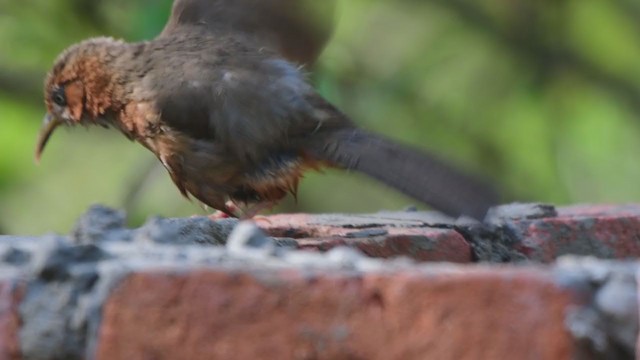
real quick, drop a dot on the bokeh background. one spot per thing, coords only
(542, 97)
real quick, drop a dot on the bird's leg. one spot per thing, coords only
(231, 210)
(251, 211)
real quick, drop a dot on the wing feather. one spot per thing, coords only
(251, 106)
(297, 29)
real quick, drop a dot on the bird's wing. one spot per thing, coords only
(251, 106)
(297, 29)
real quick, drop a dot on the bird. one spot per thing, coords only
(297, 29)
(233, 118)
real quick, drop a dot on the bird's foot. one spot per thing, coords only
(231, 210)
(219, 215)
(251, 212)
(262, 218)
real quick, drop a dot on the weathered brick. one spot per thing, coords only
(382, 235)
(604, 231)
(461, 313)
(10, 295)
(418, 244)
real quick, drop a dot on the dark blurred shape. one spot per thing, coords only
(91, 9)
(22, 85)
(526, 38)
(298, 29)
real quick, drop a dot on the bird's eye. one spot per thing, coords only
(58, 96)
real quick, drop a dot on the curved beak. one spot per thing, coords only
(49, 124)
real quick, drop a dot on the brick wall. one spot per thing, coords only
(530, 282)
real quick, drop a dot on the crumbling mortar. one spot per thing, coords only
(70, 278)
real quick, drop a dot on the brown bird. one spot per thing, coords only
(230, 119)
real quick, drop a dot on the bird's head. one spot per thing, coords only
(82, 88)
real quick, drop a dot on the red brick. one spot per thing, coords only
(464, 313)
(637, 349)
(604, 231)
(292, 226)
(419, 244)
(375, 236)
(10, 295)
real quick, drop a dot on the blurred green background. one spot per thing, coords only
(542, 97)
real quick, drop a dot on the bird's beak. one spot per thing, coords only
(49, 124)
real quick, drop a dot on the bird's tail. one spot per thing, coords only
(419, 175)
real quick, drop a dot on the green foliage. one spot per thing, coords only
(543, 97)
